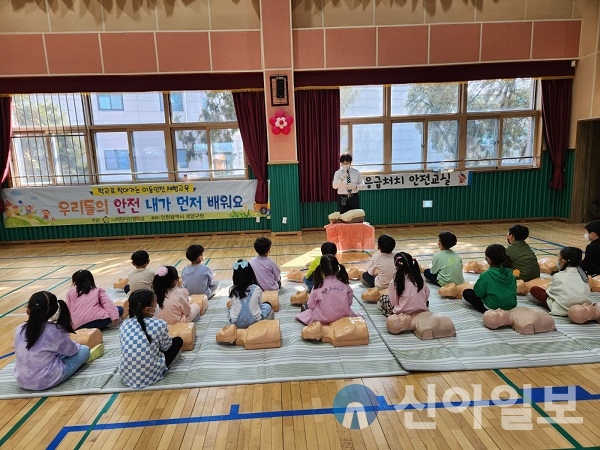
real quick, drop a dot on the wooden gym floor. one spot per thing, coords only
(291, 415)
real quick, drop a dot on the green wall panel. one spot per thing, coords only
(134, 229)
(285, 201)
(516, 194)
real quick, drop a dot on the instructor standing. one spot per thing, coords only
(348, 181)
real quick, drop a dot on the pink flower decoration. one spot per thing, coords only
(162, 271)
(281, 122)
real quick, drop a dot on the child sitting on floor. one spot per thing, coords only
(173, 301)
(331, 297)
(46, 355)
(267, 273)
(569, 286)
(141, 277)
(147, 350)
(90, 306)
(591, 262)
(522, 258)
(381, 269)
(446, 265)
(496, 288)
(328, 248)
(407, 293)
(245, 296)
(198, 278)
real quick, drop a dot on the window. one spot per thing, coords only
(116, 159)
(53, 145)
(110, 102)
(176, 99)
(485, 124)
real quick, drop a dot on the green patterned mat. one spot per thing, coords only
(476, 347)
(213, 364)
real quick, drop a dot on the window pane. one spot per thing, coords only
(110, 102)
(367, 147)
(104, 101)
(31, 155)
(482, 142)
(192, 153)
(361, 101)
(63, 111)
(176, 101)
(149, 155)
(442, 144)
(427, 98)
(344, 136)
(500, 95)
(70, 159)
(127, 108)
(227, 153)
(204, 106)
(407, 146)
(116, 159)
(109, 151)
(517, 141)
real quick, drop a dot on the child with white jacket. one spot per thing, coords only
(569, 286)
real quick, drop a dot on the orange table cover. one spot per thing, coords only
(351, 236)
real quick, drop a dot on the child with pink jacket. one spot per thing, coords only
(331, 297)
(90, 306)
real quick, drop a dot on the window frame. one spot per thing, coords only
(89, 130)
(110, 96)
(462, 116)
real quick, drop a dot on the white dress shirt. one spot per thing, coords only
(340, 181)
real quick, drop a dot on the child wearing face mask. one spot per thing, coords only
(147, 350)
(569, 286)
(591, 262)
(347, 181)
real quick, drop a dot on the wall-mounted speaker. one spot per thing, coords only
(279, 90)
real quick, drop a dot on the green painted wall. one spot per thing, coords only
(518, 194)
(134, 229)
(285, 201)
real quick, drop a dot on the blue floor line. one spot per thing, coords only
(7, 355)
(534, 395)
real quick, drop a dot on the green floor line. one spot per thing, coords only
(106, 407)
(21, 421)
(540, 411)
(25, 303)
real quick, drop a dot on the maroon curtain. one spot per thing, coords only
(556, 112)
(318, 138)
(5, 133)
(252, 119)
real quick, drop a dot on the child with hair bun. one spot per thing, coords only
(46, 355)
(407, 293)
(173, 301)
(245, 295)
(569, 286)
(496, 288)
(331, 297)
(147, 350)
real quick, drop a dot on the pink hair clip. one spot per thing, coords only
(162, 271)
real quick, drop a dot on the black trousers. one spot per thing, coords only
(173, 350)
(469, 296)
(346, 203)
